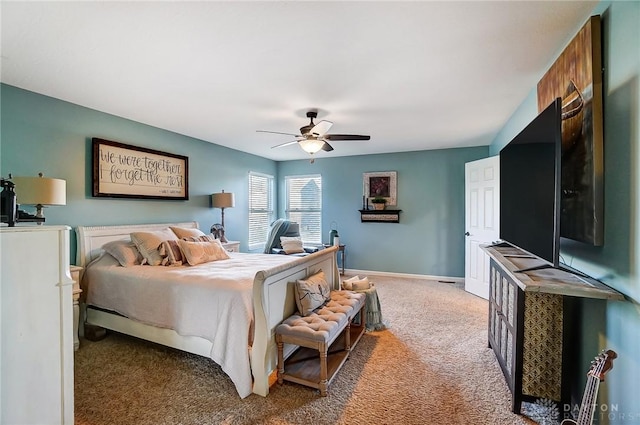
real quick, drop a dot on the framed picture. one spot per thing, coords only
(576, 78)
(383, 184)
(124, 171)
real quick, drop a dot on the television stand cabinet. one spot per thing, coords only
(531, 323)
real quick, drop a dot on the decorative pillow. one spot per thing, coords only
(186, 232)
(203, 251)
(347, 284)
(311, 293)
(148, 243)
(171, 253)
(125, 252)
(362, 284)
(199, 238)
(291, 245)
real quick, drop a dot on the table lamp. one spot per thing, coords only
(40, 191)
(223, 200)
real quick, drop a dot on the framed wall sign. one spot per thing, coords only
(124, 171)
(381, 184)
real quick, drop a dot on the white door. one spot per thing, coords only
(482, 221)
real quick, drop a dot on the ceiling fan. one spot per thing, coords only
(313, 137)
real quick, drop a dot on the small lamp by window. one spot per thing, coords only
(40, 191)
(223, 200)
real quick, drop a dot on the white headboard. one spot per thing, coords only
(90, 239)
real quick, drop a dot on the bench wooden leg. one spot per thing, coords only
(323, 371)
(280, 359)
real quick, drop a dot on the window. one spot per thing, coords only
(260, 208)
(304, 205)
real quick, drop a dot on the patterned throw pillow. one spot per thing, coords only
(148, 243)
(171, 253)
(203, 251)
(125, 252)
(291, 245)
(312, 293)
(199, 238)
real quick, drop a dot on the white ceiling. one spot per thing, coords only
(413, 75)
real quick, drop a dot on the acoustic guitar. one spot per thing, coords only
(601, 365)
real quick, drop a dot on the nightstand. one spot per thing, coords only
(341, 251)
(76, 275)
(232, 246)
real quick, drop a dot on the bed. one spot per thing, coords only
(244, 345)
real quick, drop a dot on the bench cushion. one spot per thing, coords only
(314, 327)
(347, 302)
(327, 321)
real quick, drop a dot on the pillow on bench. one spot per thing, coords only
(312, 292)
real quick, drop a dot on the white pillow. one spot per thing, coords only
(203, 252)
(356, 284)
(291, 245)
(347, 284)
(148, 243)
(362, 284)
(125, 252)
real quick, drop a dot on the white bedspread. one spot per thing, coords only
(211, 300)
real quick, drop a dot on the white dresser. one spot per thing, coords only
(36, 313)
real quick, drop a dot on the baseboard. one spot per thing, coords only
(369, 273)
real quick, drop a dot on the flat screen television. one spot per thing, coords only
(530, 168)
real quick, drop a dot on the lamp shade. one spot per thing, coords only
(223, 200)
(40, 191)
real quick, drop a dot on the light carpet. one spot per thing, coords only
(431, 366)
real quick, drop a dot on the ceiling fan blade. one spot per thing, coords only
(277, 132)
(321, 128)
(327, 147)
(353, 137)
(285, 144)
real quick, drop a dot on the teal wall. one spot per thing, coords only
(42, 134)
(430, 192)
(613, 325)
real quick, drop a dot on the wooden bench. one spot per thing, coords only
(322, 351)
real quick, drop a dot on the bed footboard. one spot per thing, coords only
(274, 301)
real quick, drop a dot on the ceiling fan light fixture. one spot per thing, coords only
(311, 146)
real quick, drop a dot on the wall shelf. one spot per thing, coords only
(380, 216)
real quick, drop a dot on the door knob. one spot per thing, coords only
(467, 234)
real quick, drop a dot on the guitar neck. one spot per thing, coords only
(585, 416)
(600, 366)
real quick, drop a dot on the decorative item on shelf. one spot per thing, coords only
(379, 203)
(39, 191)
(333, 233)
(222, 200)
